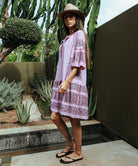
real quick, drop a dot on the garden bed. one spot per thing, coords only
(9, 120)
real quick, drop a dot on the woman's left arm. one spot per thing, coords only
(64, 85)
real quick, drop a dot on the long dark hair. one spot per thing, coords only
(79, 26)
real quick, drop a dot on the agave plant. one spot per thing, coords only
(23, 112)
(45, 90)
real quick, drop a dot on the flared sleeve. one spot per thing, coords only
(79, 57)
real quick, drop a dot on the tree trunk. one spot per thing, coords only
(5, 17)
(4, 52)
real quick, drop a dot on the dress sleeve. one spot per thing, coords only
(79, 59)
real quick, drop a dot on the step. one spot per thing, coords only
(114, 153)
(43, 135)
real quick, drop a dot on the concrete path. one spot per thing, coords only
(114, 153)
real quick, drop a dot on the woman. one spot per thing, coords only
(69, 93)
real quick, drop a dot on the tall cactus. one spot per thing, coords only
(3, 9)
(92, 24)
(24, 9)
(51, 24)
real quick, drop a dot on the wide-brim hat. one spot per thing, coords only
(71, 8)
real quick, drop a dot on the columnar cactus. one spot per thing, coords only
(3, 9)
(26, 9)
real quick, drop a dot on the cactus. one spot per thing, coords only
(92, 24)
(50, 26)
(23, 112)
(3, 9)
(45, 90)
(19, 52)
(24, 9)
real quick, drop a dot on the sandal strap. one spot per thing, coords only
(70, 158)
(63, 152)
(73, 158)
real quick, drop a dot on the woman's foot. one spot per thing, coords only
(72, 158)
(68, 150)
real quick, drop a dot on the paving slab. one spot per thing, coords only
(114, 153)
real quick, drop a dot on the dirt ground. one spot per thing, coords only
(9, 120)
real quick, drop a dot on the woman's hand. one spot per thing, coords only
(63, 87)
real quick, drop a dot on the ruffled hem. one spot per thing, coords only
(70, 115)
(73, 103)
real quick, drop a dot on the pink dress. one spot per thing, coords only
(73, 103)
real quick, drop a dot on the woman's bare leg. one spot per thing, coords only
(77, 133)
(58, 121)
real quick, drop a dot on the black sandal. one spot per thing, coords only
(67, 162)
(64, 153)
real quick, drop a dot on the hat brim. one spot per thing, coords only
(80, 14)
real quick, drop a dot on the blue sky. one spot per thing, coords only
(111, 8)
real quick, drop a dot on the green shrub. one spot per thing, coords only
(12, 57)
(17, 31)
(9, 92)
(23, 112)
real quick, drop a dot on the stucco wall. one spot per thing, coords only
(21, 71)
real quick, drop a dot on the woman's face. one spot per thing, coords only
(69, 20)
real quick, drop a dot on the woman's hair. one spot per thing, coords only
(79, 26)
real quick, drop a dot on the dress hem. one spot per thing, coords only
(70, 115)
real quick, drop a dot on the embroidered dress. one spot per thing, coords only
(73, 103)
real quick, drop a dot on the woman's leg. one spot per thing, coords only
(77, 133)
(58, 121)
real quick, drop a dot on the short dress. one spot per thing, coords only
(73, 103)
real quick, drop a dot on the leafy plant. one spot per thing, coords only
(12, 57)
(18, 32)
(23, 112)
(9, 92)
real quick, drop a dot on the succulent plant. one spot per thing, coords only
(23, 112)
